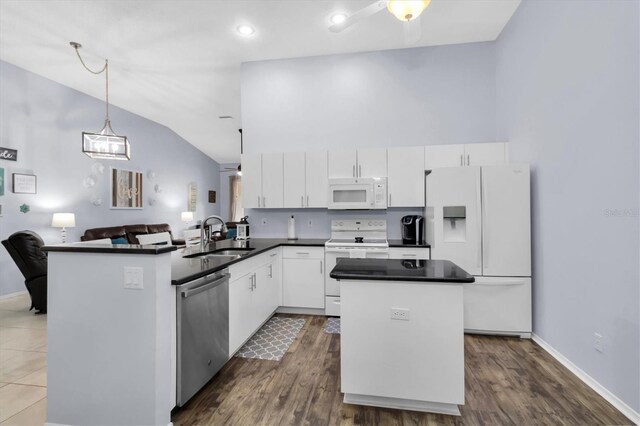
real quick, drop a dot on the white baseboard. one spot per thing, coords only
(633, 415)
(10, 295)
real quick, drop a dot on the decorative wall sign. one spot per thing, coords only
(8, 154)
(1, 181)
(24, 184)
(212, 196)
(192, 197)
(126, 189)
(0, 210)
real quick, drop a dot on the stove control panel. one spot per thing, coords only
(359, 225)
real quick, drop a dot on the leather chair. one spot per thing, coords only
(25, 248)
(129, 233)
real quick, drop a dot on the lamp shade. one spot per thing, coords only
(407, 10)
(187, 216)
(63, 220)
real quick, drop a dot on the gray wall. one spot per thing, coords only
(567, 93)
(417, 96)
(44, 120)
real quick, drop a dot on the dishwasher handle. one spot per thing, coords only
(204, 287)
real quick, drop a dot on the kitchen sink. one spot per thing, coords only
(231, 253)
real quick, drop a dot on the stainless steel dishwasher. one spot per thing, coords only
(202, 330)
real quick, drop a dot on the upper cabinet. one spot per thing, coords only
(262, 180)
(479, 154)
(405, 180)
(305, 179)
(351, 163)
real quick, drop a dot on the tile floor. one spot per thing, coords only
(23, 363)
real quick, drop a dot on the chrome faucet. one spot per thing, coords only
(205, 225)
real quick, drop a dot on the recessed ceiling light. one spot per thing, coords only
(338, 18)
(245, 30)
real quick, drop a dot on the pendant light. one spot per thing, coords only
(105, 144)
(407, 10)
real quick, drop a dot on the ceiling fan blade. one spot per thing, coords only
(412, 31)
(365, 12)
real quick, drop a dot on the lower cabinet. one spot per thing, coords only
(255, 291)
(303, 277)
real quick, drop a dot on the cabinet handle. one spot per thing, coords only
(258, 201)
(273, 254)
(389, 200)
(251, 280)
(255, 281)
(321, 270)
(467, 159)
(354, 170)
(307, 201)
(461, 161)
(270, 271)
(264, 201)
(302, 201)
(408, 255)
(360, 170)
(302, 252)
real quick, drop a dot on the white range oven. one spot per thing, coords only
(351, 238)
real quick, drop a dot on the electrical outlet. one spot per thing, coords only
(598, 345)
(133, 278)
(264, 221)
(310, 223)
(400, 314)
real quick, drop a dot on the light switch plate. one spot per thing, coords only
(133, 277)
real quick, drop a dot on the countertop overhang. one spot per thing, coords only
(415, 270)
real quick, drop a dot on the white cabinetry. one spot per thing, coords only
(479, 154)
(409, 253)
(405, 179)
(255, 292)
(305, 179)
(361, 163)
(262, 180)
(303, 277)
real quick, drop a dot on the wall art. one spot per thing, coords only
(24, 184)
(192, 197)
(8, 154)
(126, 189)
(212, 196)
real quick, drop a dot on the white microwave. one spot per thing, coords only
(357, 194)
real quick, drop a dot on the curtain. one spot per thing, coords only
(235, 199)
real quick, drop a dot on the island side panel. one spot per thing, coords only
(108, 347)
(421, 359)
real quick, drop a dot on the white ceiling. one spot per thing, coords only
(177, 62)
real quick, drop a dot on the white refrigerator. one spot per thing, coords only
(480, 219)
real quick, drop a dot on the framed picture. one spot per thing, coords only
(1, 181)
(126, 189)
(212, 196)
(24, 184)
(192, 197)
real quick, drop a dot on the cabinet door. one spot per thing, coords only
(443, 156)
(294, 180)
(303, 283)
(240, 305)
(272, 180)
(485, 154)
(342, 163)
(372, 162)
(405, 181)
(317, 183)
(251, 181)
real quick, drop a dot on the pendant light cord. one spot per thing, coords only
(104, 69)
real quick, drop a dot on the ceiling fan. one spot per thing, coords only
(237, 170)
(405, 10)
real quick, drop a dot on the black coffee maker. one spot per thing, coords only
(412, 229)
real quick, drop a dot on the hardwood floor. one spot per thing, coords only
(508, 381)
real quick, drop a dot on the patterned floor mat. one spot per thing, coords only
(273, 339)
(332, 325)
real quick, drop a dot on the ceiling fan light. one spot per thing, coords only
(407, 10)
(338, 18)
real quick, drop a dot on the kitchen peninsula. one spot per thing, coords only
(401, 342)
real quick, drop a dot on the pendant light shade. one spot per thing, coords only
(105, 144)
(407, 10)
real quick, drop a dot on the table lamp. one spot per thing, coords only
(187, 217)
(63, 220)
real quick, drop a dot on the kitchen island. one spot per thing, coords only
(401, 343)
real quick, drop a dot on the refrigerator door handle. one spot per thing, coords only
(480, 221)
(485, 251)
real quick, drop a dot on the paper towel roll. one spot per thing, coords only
(291, 229)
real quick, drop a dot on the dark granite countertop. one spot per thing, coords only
(185, 269)
(399, 243)
(110, 248)
(400, 270)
